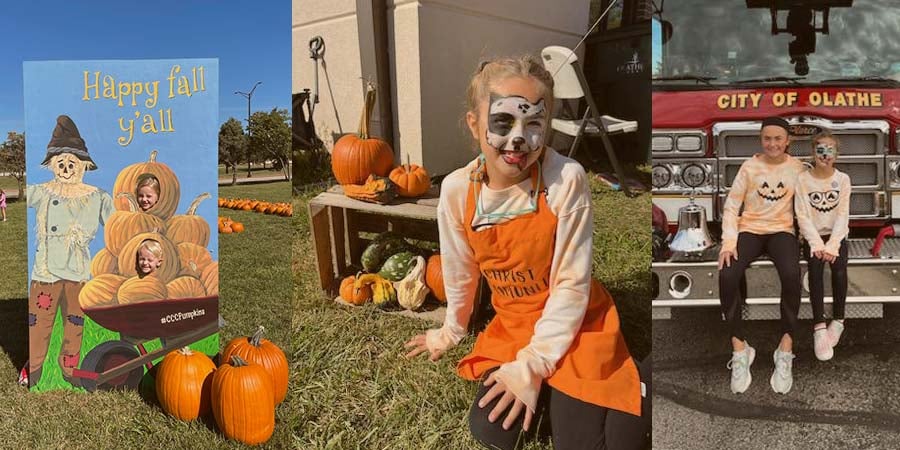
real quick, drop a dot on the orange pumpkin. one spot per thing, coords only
(411, 180)
(243, 401)
(261, 351)
(184, 383)
(185, 287)
(100, 291)
(124, 224)
(210, 278)
(169, 188)
(189, 227)
(356, 156)
(136, 290)
(104, 262)
(237, 227)
(193, 259)
(434, 278)
(353, 295)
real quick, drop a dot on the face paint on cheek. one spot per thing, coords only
(515, 124)
(825, 152)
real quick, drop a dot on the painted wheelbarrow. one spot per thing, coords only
(120, 364)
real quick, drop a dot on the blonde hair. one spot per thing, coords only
(825, 134)
(153, 246)
(147, 180)
(493, 71)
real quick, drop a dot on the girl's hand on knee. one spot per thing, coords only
(507, 399)
(726, 257)
(828, 257)
(820, 254)
(419, 345)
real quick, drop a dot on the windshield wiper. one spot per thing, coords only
(697, 78)
(872, 78)
(769, 80)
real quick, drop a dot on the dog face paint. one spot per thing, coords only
(515, 124)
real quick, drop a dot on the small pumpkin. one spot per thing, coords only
(353, 295)
(237, 227)
(184, 383)
(357, 156)
(169, 188)
(210, 278)
(193, 259)
(256, 349)
(434, 278)
(124, 224)
(411, 180)
(243, 401)
(100, 291)
(189, 227)
(185, 287)
(104, 262)
(170, 266)
(147, 289)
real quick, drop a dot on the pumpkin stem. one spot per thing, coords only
(367, 111)
(237, 361)
(196, 203)
(186, 351)
(153, 156)
(132, 202)
(408, 165)
(257, 336)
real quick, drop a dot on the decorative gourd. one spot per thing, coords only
(397, 266)
(147, 289)
(189, 227)
(124, 224)
(185, 287)
(411, 180)
(100, 291)
(353, 295)
(357, 156)
(210, 278)
(184, 383)
(377, 189)
(193, 259)
(256, 350)
(169, 188)
(434, 278)
(169, 267)
(383, 293)
(382, 247)
(104, 262)
(411, 291)
(243, 402)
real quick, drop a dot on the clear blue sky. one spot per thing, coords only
(251, 39)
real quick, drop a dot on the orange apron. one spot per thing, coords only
(515, 258)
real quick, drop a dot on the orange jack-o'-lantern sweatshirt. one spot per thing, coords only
(823, 209)
(766, 192)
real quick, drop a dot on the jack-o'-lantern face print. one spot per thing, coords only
(824, 201)
(771, 191)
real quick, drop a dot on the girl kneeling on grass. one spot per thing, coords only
(823, 213)
(520, 214)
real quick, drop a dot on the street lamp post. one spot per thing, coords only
(248, 96)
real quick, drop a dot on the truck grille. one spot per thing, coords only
(858, 144)
(863, 172)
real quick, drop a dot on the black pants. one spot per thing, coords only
(573, 424)
(784, 250)
(817, 282)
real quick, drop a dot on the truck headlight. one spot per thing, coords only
(661, 176)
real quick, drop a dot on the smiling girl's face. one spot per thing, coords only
(147, 261)
(825, 152)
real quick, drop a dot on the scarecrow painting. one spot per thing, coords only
(68, 214)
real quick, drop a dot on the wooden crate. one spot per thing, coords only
(342, 227)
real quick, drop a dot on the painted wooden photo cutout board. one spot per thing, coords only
(122, 244)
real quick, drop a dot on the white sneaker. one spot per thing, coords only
(835, 328)
(822, 344)
(782, 380)
(740, 368)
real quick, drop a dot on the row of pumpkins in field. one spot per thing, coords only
(245, 204)
(187, 269)
(364, 165)
(241, 393)
(396, 273)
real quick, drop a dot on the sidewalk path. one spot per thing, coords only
(226, 181)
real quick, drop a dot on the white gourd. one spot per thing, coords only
(411, 290)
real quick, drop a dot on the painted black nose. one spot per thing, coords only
(518, 142)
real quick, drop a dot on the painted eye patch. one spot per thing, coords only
(515, 124)
(824, 151)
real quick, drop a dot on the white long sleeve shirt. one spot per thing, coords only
(823, 209)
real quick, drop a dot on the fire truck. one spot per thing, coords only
(719, 68)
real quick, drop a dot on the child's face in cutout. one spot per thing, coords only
(147, 262)
(510, 127)
(147, 197)
(825, 152)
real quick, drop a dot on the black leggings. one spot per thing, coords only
(817, 282)
(784, 250)
(573, 424)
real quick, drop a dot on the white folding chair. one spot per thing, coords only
(569, 83)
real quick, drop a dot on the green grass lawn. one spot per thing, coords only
(8, 184)
(350, 358)
(254, 290)
(256, 170)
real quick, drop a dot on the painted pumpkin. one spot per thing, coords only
(243, 401)
(169, 188)
(434, 278)
(353, 295)
(104, 262)
(411, 180)
(184, 384)
(147, 289)
(193, 259)
(189, 227)
(185, 287)
(356, 156)
(169, 267)
(210, 278)
(100, 291)
(261, 351)
(124, 224)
